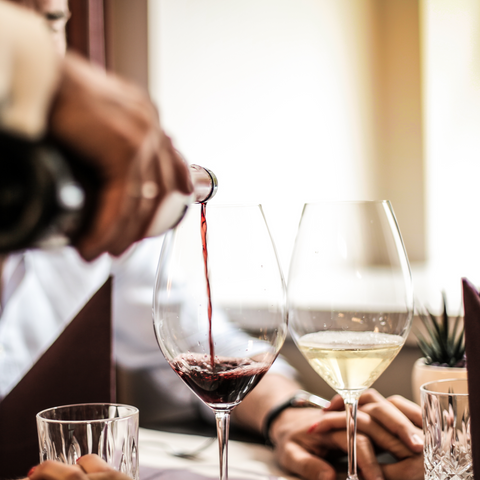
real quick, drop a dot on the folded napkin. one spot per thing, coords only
(471, 303)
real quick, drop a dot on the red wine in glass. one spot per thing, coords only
(220, 355)
(227, 382)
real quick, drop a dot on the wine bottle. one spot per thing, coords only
(48, 195)
(173, 207)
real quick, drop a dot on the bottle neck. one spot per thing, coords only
(205, 183)
(174, 207)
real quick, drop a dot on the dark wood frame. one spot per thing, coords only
(86, 29)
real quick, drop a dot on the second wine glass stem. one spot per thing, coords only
(222, 418)
(351, 405)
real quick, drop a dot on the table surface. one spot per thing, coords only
(246, 460)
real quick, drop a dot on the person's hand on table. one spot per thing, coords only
(401, 421)
(115, 129)
(305, 437)
(88, 467)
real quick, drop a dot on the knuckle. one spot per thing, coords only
(364, 417)
(375, 408)
(73, 474)
(116, 475)
(362, 442)
(372, 394)
(395, 398)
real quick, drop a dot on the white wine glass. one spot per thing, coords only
(350, 297)
(219, 306)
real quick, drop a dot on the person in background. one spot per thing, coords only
(81, 101)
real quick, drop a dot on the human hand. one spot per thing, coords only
(402, 419)
(304, 438)
(115, 129)
(87, 467)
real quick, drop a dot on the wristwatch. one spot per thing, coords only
(301, 399)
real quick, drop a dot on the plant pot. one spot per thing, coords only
(422, 373)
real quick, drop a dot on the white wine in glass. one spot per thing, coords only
(220, 312)
(350, 297)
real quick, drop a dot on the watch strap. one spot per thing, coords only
(301, 399)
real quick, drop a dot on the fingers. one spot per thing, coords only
(115, 230)
(180, 166)
(395, 414)
(366, 425)
(303, 442)
(93, 463)
(393, 420)
(50, 470)
(114, 128)
(367, 459)
(411, 468)
(410, 409)
(89, 467)
(98, 469)
(370, 396)
(336, 403)
(298, 461)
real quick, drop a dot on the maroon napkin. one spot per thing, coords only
(471, 303)
(77, 368)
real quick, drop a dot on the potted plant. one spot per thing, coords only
(443, 348)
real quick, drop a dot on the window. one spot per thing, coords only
(290, 102)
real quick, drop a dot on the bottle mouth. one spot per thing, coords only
(205, 183)
(214, 188)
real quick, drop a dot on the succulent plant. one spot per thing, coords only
(442, 345)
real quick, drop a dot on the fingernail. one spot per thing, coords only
(30, 473)
(416, 439)
(312, 428)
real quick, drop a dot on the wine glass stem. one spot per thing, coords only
(222, 418)
(351, 405)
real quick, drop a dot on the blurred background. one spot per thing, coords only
(299, 101)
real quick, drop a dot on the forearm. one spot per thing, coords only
(270, 392)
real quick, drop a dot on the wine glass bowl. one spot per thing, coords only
(219, 306)
(350, 296)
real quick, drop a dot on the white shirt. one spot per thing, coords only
(44, 290)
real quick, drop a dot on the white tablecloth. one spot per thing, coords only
(246, 461)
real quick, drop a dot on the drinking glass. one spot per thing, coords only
(446, 425)
(219, 306)
(350, 297)
(109, 430)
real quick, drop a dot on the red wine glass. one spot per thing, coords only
(220, 306)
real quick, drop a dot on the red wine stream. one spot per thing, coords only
(203, 226)
(229, 379)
